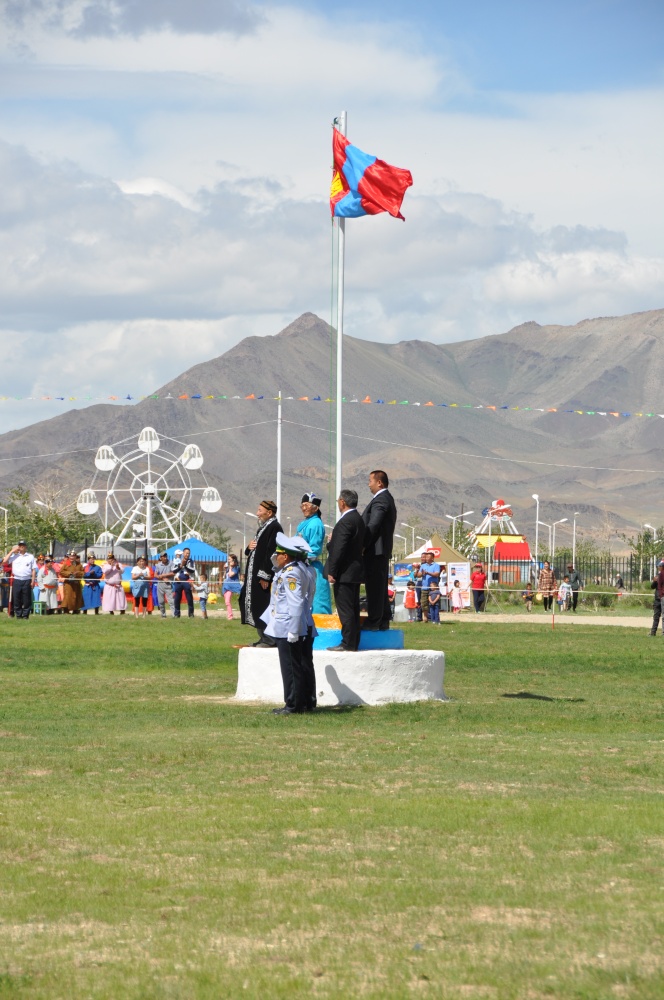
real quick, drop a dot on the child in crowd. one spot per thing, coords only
(456, 598)
(528, 596)
(391, 595)
(434, 603)
(410, 601)
(564, 594)
(203, 592)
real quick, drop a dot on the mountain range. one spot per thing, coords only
(439, 458)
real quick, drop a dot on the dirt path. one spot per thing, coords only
(539, 618)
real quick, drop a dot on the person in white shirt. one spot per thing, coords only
(24, 574)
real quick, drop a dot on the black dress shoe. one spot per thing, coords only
(283, 711)
(337, 649)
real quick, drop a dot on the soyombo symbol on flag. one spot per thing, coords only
(363, 184)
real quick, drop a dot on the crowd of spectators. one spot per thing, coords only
(79, 584)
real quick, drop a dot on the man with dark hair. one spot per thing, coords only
(255, 593)
(24, 574)
(344, 569)
(657, 599)
(380, 518)
(428, 573)
(164, 577)
(183, 570)
(575, 584)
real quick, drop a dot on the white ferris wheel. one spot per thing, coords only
(149, 491)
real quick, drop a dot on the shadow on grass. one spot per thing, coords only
(337, 709)
(540, 697)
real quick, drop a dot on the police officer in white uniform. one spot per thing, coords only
(24, 573)
(289, 622)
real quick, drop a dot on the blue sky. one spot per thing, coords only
(165, 169)
(564, 46)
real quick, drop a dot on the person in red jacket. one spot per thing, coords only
(478, 586)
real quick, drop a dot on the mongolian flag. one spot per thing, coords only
(364, 185)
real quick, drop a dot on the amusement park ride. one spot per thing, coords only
(497, 535)
(149, 490)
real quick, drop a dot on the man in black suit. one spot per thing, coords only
(380, 518)
(344, 569)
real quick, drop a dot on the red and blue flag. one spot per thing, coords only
(364, 185)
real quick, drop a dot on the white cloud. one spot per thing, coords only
(290, 53)
(92, 18)
(156, 185)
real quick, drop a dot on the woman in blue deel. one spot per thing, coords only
(312, 530)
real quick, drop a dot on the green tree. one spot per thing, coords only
(45, 515)
(214, 535)
(646, 549)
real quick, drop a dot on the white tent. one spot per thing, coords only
(418, 553)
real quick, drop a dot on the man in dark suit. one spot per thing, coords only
(380, 518)
(344, 569)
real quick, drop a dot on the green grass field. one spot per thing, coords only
(158, 841)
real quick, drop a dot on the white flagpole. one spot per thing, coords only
(278, 497)
(341, 224)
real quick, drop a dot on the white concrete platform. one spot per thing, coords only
(374, 677)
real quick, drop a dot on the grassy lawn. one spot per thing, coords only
(158, 841)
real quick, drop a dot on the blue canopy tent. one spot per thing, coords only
(201, 552)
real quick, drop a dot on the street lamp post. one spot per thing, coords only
(576, 514)
(553, 546)
(403, 539)
(6, 531)
(459, 517)
(535, 497)
(244, 528)
(654, 542)
(410, 528)
(545, 525)
(47, 507)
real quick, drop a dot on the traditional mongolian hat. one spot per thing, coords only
(311, 498)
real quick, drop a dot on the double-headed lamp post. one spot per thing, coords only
(459, 517)
(402, 524)
(654, 542)
(553, 543)
(244, 528)
(545, 525)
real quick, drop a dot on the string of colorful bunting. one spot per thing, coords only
(328, 399)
